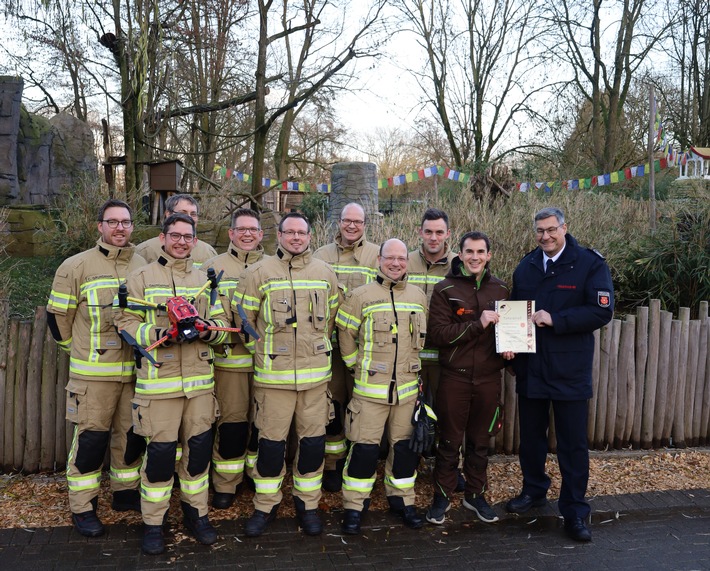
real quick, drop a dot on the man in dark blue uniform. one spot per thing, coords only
(573, 294)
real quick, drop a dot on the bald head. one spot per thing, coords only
(352, 223)
(393, 259)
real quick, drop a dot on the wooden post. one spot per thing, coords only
(690, 381)
(592, 414)
(612, 390)
(662, 389)
(641, 358)
(705, 424)
(673, 364)
(633, 404)
(678, 434)
(511, 412)
(625, 395)
(700, 385)
(30, 460)
(4, 327)
(60, 449)
(9, 426)
(48, 434)
(654, 331)
(21, 392)
(600, 429)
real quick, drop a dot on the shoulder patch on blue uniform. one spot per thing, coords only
(597, 252)
(604, 298)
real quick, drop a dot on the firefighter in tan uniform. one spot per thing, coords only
(428, 265)
(233, 369)
(291, 300)
(174, 402)
(152, 248)
(354, 260)
(101, 369)
(381, 329)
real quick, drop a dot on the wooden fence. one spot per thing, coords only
(651, 388)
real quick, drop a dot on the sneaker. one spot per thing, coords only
(153, 541)
(126, 500)
(201, 529)
(436, 513)
(310, 522)
(478, 504)
(88, 524)
(257, 523)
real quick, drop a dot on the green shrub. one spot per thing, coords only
(314, 206)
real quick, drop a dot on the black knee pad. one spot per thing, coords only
(90, 450)
(311, 453)
(335, 426)
(363, 460)
(405, 460)
(270, 459)
(253, 445)
(160, 462)
(200, 453)
(232, 439)
(135, 447)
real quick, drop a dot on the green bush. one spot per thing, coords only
(314, 206)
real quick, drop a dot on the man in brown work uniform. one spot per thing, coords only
(233, 369)
(101, 369)
(354, 261)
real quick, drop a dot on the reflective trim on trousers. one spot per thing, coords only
(156, 495)
(228, 466)
(307, 484)
(267, 485)
(125, 475)
(336, 446)
(401, 483)
(362, 485)
(192, 487)
(90, 481)
(251, 460)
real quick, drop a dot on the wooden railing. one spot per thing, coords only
(651, 388)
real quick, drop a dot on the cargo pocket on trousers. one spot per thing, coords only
(352, 420)
(75, 407)
(140, 417)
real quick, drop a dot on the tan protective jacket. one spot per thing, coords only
(232, 263)
(354, 265)
(152, 249)
(186, 368)
(82, 322)
(291, 301)
(381, 329)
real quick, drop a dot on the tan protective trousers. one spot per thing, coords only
(340, 388)
(168, 421)
(274, 410)
(101, 406)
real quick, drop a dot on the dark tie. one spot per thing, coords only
(548, 267)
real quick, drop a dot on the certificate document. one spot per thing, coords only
(515, 330)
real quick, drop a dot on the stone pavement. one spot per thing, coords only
(658, 530)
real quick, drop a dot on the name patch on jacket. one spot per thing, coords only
(603, 298)
(563, 286)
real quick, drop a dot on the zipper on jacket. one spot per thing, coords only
(293, 322)
(393, 382)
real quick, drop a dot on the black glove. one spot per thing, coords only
(424, 422)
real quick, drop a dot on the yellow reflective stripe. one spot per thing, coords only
(307, 484)
(192, 487)
(87, 368)
(363, 485)
(84, 482)
(336, 446)
(251, 460)
(423, 279)
(267, 485)
(347, 321)
(61, 302)
(173, 384)
(65, 345)
(408, 389)
(369, 273)
(229, 466)
(429, 354)
(178, 453)
(156, 495)
(124, 475)
(290, 376)
(248, 303)
(234, 362)
(401, 483)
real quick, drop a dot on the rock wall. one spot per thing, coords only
(353, 182)
(40, 157)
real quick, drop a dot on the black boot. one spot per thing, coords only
(153, 541)
(351, 522)
(222, 500)
(258, 522)
(409, 514)
(87, 523)
(126, 500)
(309, 519)
(199, 527)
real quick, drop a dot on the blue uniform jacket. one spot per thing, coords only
(579, 295)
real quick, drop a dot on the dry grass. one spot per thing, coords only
(41, 500)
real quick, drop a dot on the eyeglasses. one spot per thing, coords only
(348, 222)
(114, 223)
(292, 233)
(391, 259)
(242, 230)
(551, 231)
(176, 237)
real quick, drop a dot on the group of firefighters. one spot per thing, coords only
(346, 343)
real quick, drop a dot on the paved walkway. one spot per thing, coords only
(659, 530)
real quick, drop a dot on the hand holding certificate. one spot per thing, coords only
(515, 330)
